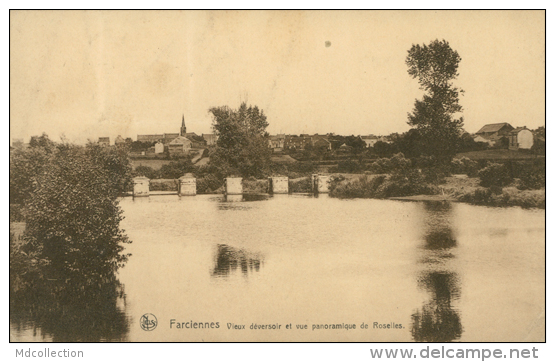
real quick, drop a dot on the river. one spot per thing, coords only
(304, 268)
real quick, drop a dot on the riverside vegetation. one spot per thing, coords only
(65, 262)
(512, 183)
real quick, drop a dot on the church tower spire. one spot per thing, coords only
(183, 128)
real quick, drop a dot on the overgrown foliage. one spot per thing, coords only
(69, 195)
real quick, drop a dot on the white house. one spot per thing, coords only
(159, 147)
(521, 138)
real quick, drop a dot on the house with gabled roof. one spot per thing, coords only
(495, 131)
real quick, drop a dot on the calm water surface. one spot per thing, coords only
(440, 272)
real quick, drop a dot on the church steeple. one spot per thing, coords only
(183, 128)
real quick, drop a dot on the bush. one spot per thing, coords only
(208, 184)
(362, 187)
(494, 174)
(532, 181)
(531, 175)
(386, 165)
(406, 183)
(255, 186)
(435, 175)
(466, 166)
(16, 213)
(509, 196)
(163, 185)
(176, 169)
(146, 171)
(303, 184)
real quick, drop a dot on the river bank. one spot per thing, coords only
(456, 188)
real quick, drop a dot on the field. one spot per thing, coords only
(497, 154)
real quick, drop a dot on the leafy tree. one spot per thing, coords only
(26, 164)
(140, 146)
(467, 143)
(539, 132)
(410, 143)
(356, 143)
(435, 66)
(176, 169)
(383, 149)
(538, 148)
(242, 146)
(72, 214)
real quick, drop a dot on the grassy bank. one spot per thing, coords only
(468, 190)
(458, 188)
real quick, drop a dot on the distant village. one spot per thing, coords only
(495, 135)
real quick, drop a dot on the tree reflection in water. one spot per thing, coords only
(69, 310)
(229, 259)
(437, 320)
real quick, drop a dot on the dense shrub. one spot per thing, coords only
(176, 169)
(146, 171)
(532, 181)
(26, 164)
(16, 213)
(362, 187)
(72, 218)
(303, 184)
(406, 183)
(387, 165)
(494, 174)
(464, 165)
(255, 186)
(163, 185)
(435, 175)
(531, 175)
(209, 184)
(509, 196)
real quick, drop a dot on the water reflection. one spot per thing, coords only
(65, 310)
(437, 320)
(238, 202)
(230, 259)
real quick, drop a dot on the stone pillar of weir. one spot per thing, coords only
(141, 186)
(234, 186)
(187, 185)
(323, 184)
(278, 185)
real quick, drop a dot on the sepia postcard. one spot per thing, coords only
(277, 176)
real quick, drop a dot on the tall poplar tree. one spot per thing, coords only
(437, 116)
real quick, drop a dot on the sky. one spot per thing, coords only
(89, 74)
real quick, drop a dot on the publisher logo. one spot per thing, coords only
(148, 322)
